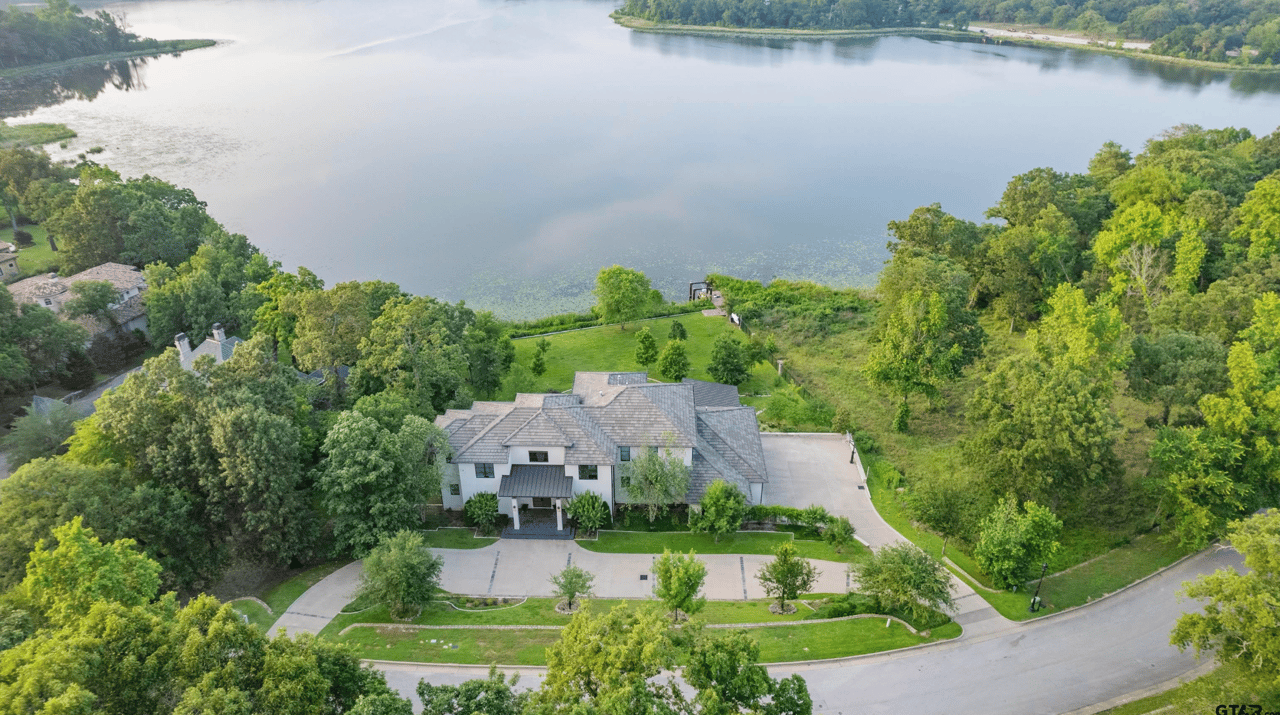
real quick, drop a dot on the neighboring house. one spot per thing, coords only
(8, 262)
(53, 292)
(218, 346)
(542, 449)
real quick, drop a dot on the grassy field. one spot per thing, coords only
(23, 135)
(742, 542)
(1224, 684)
(455, 538)
(1110, 572)
(840, 639)
(39, 258)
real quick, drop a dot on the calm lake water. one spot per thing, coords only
(502, 152)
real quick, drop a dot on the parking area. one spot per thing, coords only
(809, 469)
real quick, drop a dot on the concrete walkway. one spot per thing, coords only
(322, 602)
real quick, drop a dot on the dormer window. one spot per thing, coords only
(537, 456)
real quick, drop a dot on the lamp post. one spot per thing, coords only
(1035, 600)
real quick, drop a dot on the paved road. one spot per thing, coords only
(322, 602)
(1065, 663)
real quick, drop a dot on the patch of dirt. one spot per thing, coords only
(563, 608)
(250, 580)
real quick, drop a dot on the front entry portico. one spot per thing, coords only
(543, 487)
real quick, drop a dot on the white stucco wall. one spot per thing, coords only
(451, 476)
(602, 485)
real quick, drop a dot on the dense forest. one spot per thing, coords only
(61, 31)
(1242, 31)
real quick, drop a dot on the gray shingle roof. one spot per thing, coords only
(536, 480)
(713, 394)
(734, 434)
(489, 446)
(628, 378)
(538, 431)
(632, 418)
(590, 443)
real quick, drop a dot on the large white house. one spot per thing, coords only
(542, 449)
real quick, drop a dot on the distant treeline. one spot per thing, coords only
(60, 31)
(1242, 31)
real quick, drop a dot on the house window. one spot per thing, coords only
(588, 471)
(48, 302)
(624, 454)
(484, 471)
(537, 456)
(455, 489)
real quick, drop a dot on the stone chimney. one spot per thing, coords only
(183, 344)
(219, 335)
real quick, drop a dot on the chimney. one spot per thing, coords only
(183, 344)
(219, 335)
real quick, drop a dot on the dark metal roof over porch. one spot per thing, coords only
(536, 480)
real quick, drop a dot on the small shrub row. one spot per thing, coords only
(575, 321)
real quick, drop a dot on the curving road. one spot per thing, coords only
(1074, 662)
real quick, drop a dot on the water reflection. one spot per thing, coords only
(26, 93)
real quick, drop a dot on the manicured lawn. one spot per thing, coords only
(839, 639)
(283, 595)
(454, 538)
(608, 348)
(39, 258)
(742, 542)
(528, 647)
(258, 615)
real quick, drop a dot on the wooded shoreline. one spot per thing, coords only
(778, 33)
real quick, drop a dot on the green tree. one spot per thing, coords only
(673, 362)
(385, 704)
(482, 510)
(414, 348)
(364, 485)
(723, 507)
(332, 323)
(39, 433)
(92, 298)
(65, 582)
(571, 584)
(677, 331)
(589, 510)
(1082, 335)
(495, 695)
(271, 316)
(539, 365)
(622, 294)
(902, 577)
(646, 347)
(1193, 474)
(657, 479)
(1238, 622)
(1045, 431)
(914, 354)
(1259, 217)
(402, 573)
(679, 579)
(1176, 368)
(489, 353)
(787, 576)
(729, 364)
(948, 502)
(1014, 541)
(726, 673)
(839, 533)
(605, 663)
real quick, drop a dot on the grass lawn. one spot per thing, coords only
(1224, 684)
(528, 647)
(742, 542)
(258, 615)
(608, 348)
(1112, 571)
(455, 538)
(39, 258)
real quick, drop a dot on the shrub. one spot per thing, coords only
(402, 573)
(839, 533)
(482, 510)
(589, 510)
(677, 331)
(23, 238)
(723, 507)
(903, 577)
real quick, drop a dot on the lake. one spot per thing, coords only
(502, 152)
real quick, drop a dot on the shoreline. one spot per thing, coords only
(1020, 38)
(169, 47)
